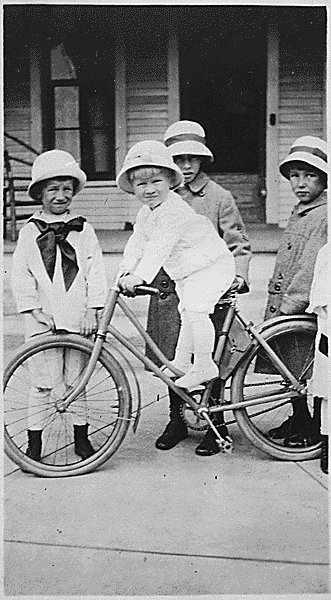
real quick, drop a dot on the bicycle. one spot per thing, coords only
(259, 397)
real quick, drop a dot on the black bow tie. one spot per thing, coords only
(52, 235)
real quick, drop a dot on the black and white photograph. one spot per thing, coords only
(166, 283)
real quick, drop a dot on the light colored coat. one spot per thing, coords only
(174, 236)
(33, 289)
(213, 201)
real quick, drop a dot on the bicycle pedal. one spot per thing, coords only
(226, 445)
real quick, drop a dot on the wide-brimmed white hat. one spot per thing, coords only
(187, 137)
(55, 163)
(149, 153)
(307, 149)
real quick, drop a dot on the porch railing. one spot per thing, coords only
(14, 184)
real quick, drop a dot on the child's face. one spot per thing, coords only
(306, 181)
(57, 195)
(189, 166)
(153, 189)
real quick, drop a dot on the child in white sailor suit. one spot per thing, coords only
(169, 233)
(58, 281)
(319, 299)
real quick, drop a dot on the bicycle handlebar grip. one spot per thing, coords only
(143, 290)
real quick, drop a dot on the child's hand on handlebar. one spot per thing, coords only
(128, 283)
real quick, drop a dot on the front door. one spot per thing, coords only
(223, 87)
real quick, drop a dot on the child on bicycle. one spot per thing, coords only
(58, 281)
(306, 169)
(319, 299)
(169, 233)
(186, 141)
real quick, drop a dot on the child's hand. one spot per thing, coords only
(89, 323)
(127, 283)
(44, 318)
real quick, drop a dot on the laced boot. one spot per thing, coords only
(34, 444)
(209, 446)
(325, 454)
(304, 430)
(83, 447)
(176, 430)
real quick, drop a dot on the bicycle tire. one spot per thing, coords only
(107, 404)
(256, 421)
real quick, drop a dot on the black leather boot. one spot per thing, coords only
(209, 446)
(325, 454)
(82, 444)
(176, 430)
(34, 444)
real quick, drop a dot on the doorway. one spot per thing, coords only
(223, 87)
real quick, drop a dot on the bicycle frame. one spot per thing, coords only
(201, 409)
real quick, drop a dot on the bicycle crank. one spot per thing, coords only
(225, 444)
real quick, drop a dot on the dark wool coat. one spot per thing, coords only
(211, 200)
(305, 234)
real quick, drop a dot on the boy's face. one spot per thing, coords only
(57, 195)
(152, 190)
(189, 166)
(307, 182)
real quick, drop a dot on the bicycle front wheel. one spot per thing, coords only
(294, 342)
(38, 376)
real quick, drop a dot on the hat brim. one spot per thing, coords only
(305, 157)
(75, 173)
(123, 182)
(190, 147)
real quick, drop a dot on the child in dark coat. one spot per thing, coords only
(288, 293)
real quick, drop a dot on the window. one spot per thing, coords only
(82, 115)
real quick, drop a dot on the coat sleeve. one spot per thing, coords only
(95, 274)
(296, 297)
(233, 231)
(134, 248)
(23, 283)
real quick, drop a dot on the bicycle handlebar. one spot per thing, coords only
(142, 290)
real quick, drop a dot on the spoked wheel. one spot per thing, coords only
(35, 380)
(294, 342)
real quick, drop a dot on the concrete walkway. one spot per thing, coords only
(151, 523)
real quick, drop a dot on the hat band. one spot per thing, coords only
(185, 137)
(314, 151)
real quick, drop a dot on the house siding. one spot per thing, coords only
(301, 112)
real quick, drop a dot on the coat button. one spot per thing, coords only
(277, 287)
(201, 193)
(163, 295)
(289, 246)
(272, 309)
(164, 283)
(280, 276)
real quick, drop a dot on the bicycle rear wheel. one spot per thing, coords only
(294, 342)
(53, 366)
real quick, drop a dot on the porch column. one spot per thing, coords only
(173, 75)
(272, 116)
(35, 98)
(120, 100)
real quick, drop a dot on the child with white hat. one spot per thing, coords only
(306, 168)
(170, 233)
(186, 141)
(58, 281)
